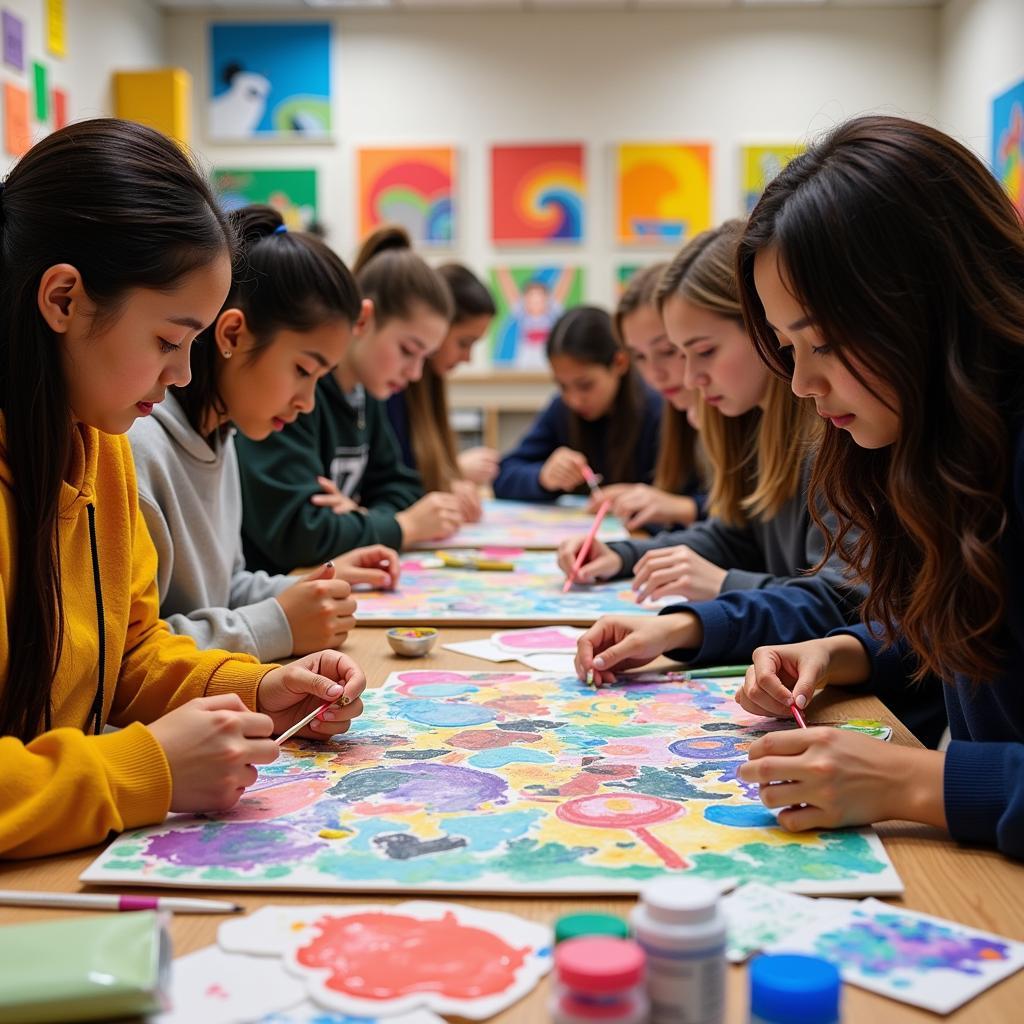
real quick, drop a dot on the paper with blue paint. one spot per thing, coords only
(509, 782)
(905, 955)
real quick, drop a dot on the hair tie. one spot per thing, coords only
(281, 229)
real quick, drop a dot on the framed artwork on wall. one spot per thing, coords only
(291, 191)
(663, 192)
(409, 185)
(269, 81)
(537, 194)
(1008, 142)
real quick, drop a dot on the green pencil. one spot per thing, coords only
(718, 672)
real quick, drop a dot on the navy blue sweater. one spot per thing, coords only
(519, 475)
(398, 416)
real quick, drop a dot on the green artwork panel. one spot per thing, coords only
(41, 80)
(291, 191)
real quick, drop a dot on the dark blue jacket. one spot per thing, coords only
(519, 475)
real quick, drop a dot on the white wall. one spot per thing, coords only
(981, 54)
(470, 79)
(101, 37)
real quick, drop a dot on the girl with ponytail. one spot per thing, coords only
(113, 257)
(286, 322)
(334, 480)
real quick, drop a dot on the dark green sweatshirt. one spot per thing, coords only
(354, 445)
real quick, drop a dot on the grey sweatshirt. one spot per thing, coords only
(191, 498)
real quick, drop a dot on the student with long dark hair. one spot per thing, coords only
(882, 275)
(604, 417)
(285, 323)
(113, 257)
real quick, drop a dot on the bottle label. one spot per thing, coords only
(685, 986)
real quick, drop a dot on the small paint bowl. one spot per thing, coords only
(412, 641)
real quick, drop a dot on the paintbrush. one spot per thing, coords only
(302, 723)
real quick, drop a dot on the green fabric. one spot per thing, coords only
(281, 529)
(84, 968)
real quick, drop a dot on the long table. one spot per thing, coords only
(974, 886)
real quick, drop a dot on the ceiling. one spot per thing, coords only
(289, 6)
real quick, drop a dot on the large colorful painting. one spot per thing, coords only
(529, 301)
(414, 187)
(270, 81)
(663, 192)
(759, 165)
(537, 194)
(524, 524)
(290, 191)
(430, 593)
(1008, 142)
(508, 782)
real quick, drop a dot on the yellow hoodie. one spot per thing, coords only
(66, 789)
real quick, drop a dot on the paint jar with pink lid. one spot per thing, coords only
(599, 979)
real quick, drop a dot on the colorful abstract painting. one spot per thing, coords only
(537, 194)
(291, 191)
(523, 524)
(663, 192)
(759, 165)
(905, 955)
(529, 301)
(376, 960)
(430, 593)
(508, 782)
(1008, 142)
(17, 132)
(414, 187)
(270, 80)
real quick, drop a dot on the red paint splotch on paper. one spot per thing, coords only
(386, 956)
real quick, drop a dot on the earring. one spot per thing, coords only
(227, 353)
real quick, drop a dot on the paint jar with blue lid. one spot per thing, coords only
(599, 979)
(792, 989)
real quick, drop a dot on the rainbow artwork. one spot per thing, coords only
(1008, 142)
(537, 194)
(524, 524)
(760, 164)
(909, 956)
(432, 593)
(411, 186)
(663, 192)
(508, 782)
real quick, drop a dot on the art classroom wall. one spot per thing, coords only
(981, 54)
(470, 79)
(101, 37)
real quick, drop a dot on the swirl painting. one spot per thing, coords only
(537, 194)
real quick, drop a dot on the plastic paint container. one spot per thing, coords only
(681, 928)
(599, 979)
(412, 641)
(792, 989)
(575, 926)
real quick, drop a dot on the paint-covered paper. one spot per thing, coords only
(429, 594)
(759, 915)
(376, 959)
(538, 640)
(507, 525)
(310, 1013)
(508, 782)
(912, 957)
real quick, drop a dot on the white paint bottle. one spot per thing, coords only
(681, 928)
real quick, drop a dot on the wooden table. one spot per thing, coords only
(974, 886)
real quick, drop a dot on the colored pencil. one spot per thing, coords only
(587, 545)
(113, 901)
(717, 672)
(593, 481)
(799, 717)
